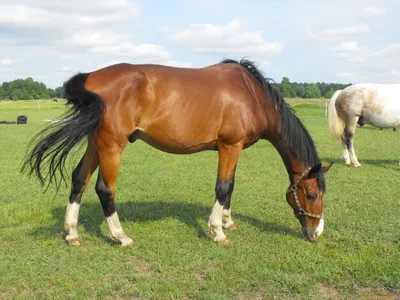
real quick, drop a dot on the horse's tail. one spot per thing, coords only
(335, 124)
(54, 142)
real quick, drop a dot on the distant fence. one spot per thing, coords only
(31, 104)
(296, 101)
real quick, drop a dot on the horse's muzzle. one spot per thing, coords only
(312, 234)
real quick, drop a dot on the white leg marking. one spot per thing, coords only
(215, 222)
(71, 222)
(320, 228)
(345, 155)
(227, 218)
(116, 231)
(353, 157)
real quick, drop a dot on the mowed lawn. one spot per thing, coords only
(164, 202)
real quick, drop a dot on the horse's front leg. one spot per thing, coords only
(221, 213)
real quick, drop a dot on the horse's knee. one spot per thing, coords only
(223, 189)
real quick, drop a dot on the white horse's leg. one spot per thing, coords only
(345, 155)
(349, 131)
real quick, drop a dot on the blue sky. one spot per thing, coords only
(305, 40)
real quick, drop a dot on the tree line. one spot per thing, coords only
(308, 90)
(28, 89)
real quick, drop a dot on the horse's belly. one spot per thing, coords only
(171, 143)
(388, 118)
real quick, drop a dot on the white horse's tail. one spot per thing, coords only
(335, 124)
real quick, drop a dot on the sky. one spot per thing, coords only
(343, 41)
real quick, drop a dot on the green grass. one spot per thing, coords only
(164, 202)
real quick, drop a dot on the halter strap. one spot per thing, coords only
(293, 189)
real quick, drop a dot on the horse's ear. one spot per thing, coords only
(314, 171)
(327, 167)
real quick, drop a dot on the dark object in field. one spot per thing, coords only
(10, 122)
(54, 100)
(3, 122)
(395, 129)
(22, 119)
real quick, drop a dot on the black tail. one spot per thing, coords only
(55, 141)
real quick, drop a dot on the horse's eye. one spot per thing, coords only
(311, 196)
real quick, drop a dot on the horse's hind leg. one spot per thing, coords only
(109, 157)
(220, 215)
(80, 179)
(347, 141)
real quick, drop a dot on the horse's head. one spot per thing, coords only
(305, 197)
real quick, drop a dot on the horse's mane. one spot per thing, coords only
(293, 134)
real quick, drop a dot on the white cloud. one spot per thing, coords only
(172, 63)
(129, 50)
(7, 62)
(337, 34)
(75, 27)
(372, 11)
(39, 22)
(350, 51)
(179, 64)
(346, 47)
(92, 39)
(345, 75)
(390, 50)
(228, 38)
(395, 73)
(75, 13)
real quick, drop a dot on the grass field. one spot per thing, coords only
(164, 202)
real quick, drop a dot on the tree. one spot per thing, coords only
(3, 93)
(51, 93)
(6, 88)
(312, 91)
(300, 91)
(59, 92)
(285, 88)
(329, 93)
(293, 91)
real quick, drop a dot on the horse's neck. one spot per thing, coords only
(293, 164)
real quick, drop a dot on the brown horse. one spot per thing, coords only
(225, 107)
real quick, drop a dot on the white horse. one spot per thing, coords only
(365, 103)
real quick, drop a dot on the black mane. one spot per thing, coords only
(294, 135)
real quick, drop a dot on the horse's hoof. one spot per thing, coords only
(355, 165)
(73, 240)
(232, 227)
(126, 242)
(222, 241)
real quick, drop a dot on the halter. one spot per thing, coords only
(293, 189)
